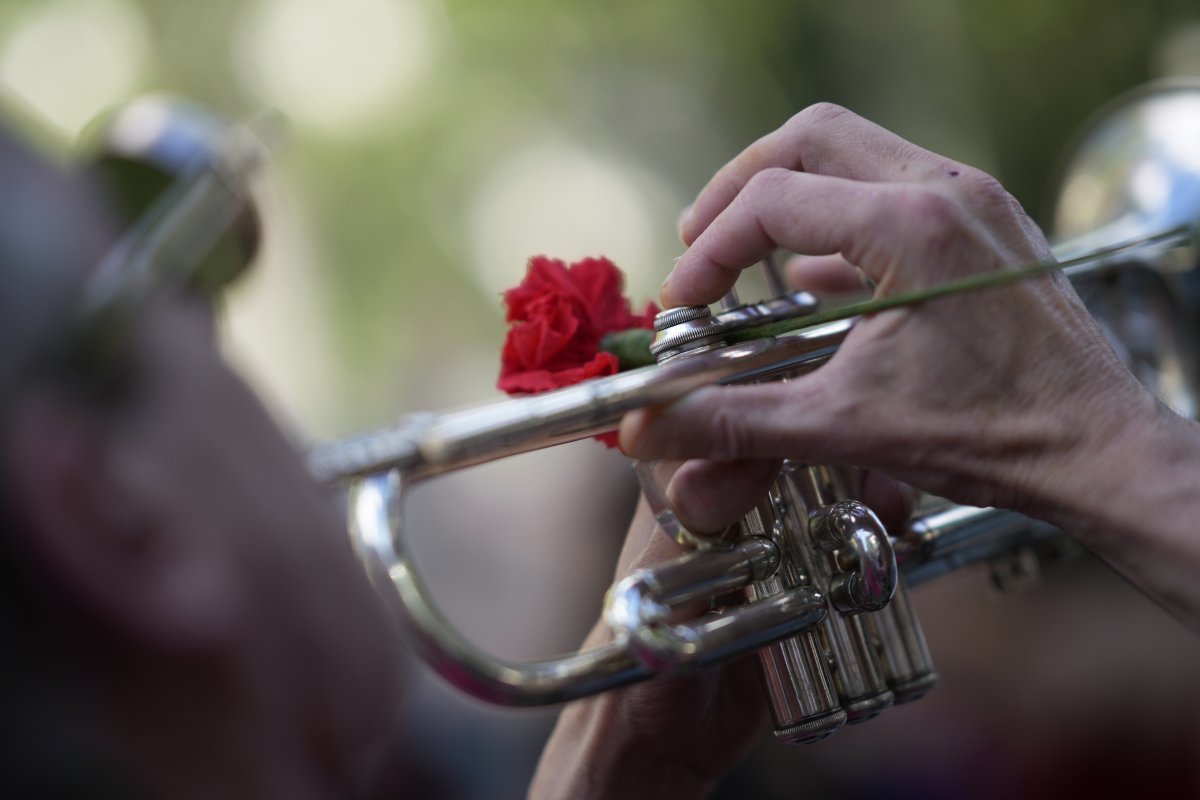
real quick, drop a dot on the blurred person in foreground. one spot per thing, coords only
(181, 611)
(1009, 397)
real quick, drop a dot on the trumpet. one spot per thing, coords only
(810, 580)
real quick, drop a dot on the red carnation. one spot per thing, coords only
(558, 315)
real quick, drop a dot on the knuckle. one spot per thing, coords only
(987, 194)
(821, 114)
(982, 187)
(732, 437)
(921, 217)
(996, 210)
(765, 186)
(767, 180)
(808, 132)
(935, 218)
(931, 206)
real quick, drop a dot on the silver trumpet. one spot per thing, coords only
(810, 579)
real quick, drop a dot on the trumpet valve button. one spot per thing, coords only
(670, 317)
(684, 329)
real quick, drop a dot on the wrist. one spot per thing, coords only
(1117, 469)
(595, 753)
(1130, 492)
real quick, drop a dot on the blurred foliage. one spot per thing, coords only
(672, 88)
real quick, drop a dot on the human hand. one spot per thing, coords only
(996, 398)
(671, 737)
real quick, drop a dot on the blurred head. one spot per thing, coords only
(169, 567)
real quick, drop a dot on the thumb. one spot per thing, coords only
(799, 419)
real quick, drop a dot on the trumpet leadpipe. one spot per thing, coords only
(426, 445)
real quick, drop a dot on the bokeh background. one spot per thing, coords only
(434, 145)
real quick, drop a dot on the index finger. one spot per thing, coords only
(873, 225)
(823, 139)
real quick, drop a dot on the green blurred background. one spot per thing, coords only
(434, 145)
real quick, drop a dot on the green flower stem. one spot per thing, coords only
(974, 283)
(1182, 234)
(631, 347)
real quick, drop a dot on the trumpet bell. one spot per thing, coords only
(1136, 170)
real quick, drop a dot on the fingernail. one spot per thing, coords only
(627, 435)
(685, 219)
(664, 292)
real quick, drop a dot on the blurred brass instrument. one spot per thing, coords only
(810, 579)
